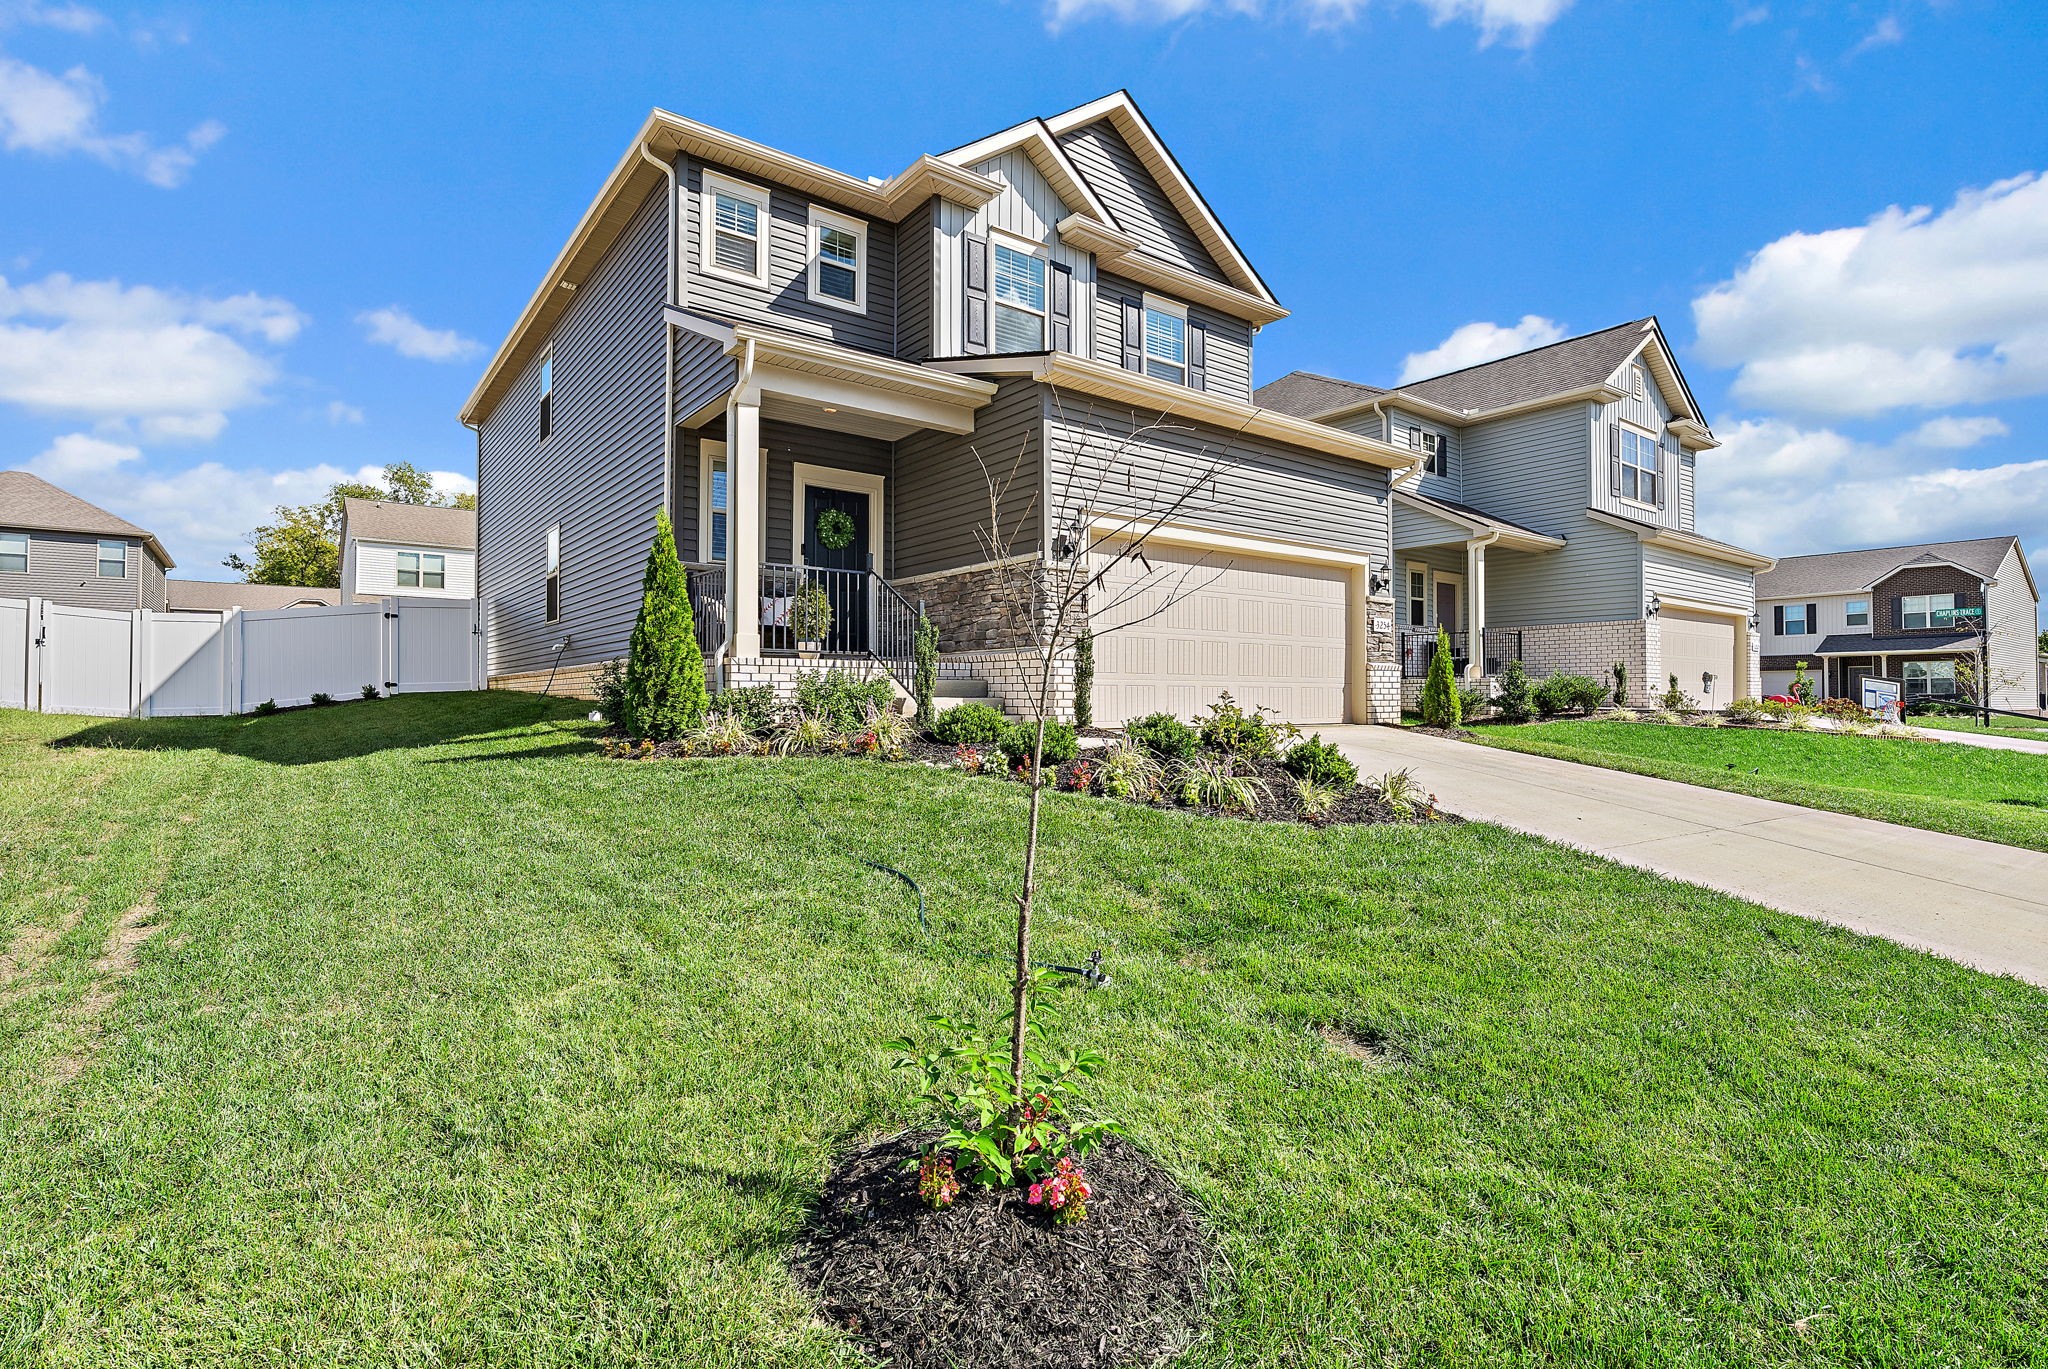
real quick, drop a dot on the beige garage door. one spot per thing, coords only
(1697, 644)
(1271, 632)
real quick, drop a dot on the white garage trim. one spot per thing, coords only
(1356, 564)
(1742, 686)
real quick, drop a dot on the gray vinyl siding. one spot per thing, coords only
(1264, 489)
(153, 593)
(786, 444)
(1414, 528)
(65, 567)
(598, 475)
(1028, 208)
(1531, 468)
(1438, 560)
(703, 374)
(2010, 613)
(1652, 413)
(1681, 575)
(786, 301)
(1134, 199)
(917, 268)
(1688, 490)
(940, 494)
(1452, 486)
(1228, 348)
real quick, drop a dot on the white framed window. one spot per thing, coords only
(1435, 449)
(547, 393)
(1795, 621)
(1166, 339)
(113, 559)
(554, 574)
(14, 552)
(1418, 596)
(1640, 462)
(422, 570)
(1927, 610)
(735, 230)
(1929, 679)
(711, 530)
(1856, 613)
(1019, 295)
(839, 261)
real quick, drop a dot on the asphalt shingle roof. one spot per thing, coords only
(215, 596)
(425, 525)
(33, 503)
(1838, 572)
(1855, 644)
(1305, 394)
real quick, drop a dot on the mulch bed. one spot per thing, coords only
(990, 1283)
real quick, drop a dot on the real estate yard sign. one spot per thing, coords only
(1881, 696)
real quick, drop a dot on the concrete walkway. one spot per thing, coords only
(1974, 901)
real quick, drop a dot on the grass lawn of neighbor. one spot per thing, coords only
(2027, 729)
(1993, 795)
(415, 1033)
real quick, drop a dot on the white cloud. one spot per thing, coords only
(174, 365)
(1478, 342)
(1888, 33)
(339, 413)
(57, 114)
(1912, 309)
(69, 18)
(1522, 21)
(1787, 490)
(393, 327)
(203, 512)
(1956, 433)
(1750, 14)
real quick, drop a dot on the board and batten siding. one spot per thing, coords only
(1682, 575)
(1652, 413)
(1028, 208)
(1259, 488)
(939, 495)
(599, 474)
(1134, 198)
(65, 567)
(1532, 468)
(1834, 619)
(1227, 353)
(785, 301)
(375, 568)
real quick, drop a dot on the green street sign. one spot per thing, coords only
(1958, 615)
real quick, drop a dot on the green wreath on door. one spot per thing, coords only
(835, 529)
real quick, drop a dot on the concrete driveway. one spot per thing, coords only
(1974, 901)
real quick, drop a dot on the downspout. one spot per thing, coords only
(1475, 590)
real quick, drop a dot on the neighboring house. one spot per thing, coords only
(1552, 516)
(54, 545)
(218, 596)
(774, 350)
(411, 549)
(1905, 613)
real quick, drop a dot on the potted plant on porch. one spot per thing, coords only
(810, 618)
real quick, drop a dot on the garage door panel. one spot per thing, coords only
(1695, 645)
(1271, 632)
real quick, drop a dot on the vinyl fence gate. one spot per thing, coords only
(64, 658)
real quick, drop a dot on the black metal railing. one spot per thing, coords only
(895, 634)
(862, 614)
(1500, 645)
(707, 605)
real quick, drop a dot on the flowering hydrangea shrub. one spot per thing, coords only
(1064, 1193)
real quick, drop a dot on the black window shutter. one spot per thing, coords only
(1134, 335)
(1778, 619)
(1443, 455)
(975, 339)
(1663, 467)
(1198, 357)
(1813, 618)
(1898, 613)
(1614, 459)
(1062, 308)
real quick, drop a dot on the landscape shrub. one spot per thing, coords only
(1127, 770)
(322, 700)
(1747, 711)
(1802, 685)
(664, 688)
(1676, 700)
(265, 709)
(970, 724)
(754, 705)
(1061, 745)
(1440, 688)
(1621, 684)
(1164, 735)
(1212, 782)
(924, 674)
(1235, 732)
(841, 697)
(1845, 710)
(1473, 700)
(610, 689)
(1774, 710)
(1514, 703)
(371, 692)
(1569, 694)
(1321, 762)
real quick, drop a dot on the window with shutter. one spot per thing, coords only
(975, 331)
(1166, 340)
(1020, 298)
(1638, 467)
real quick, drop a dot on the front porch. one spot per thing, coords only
(1441, 568)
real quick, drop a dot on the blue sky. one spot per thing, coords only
(249, 248)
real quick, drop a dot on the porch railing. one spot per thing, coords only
(868, 618)
(1500, 645)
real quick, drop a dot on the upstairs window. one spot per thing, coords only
(1796, 621)
(1639, 466)
(1435, 449)
(838, 260)
(1856, 613)
(1166, 340)
(1019, 299)
(422, 570)
(113, 559)
(14, 552)
(554, 574)
(735, 230)
(547, 393)
(1927, 610)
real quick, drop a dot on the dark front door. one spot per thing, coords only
(1447, 607)
(840, 570)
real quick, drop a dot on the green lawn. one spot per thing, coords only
(1994, 795)
(2031, 729)
(457, 1045)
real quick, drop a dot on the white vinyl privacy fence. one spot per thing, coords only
(62, 658)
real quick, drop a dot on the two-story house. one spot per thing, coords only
(54, 545)
(419, 550)
(1912, 614)
(1550, 517)
(905, 390)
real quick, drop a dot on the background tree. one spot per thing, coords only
(1440, 706)
(2043, 644)
(303, 547)
(665, 694)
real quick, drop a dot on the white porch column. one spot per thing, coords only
(1475, 616)
(743, 524)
